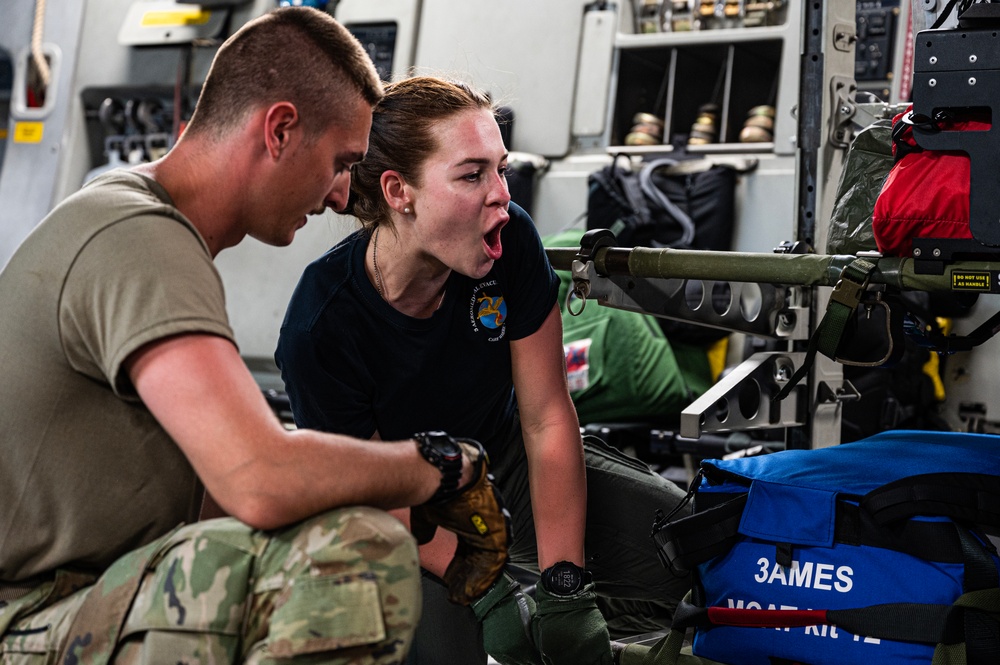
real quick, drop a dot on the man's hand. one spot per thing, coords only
(478, 517)
(570, 630)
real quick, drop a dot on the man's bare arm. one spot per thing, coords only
(201, 392)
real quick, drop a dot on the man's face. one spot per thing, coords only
(313, 174)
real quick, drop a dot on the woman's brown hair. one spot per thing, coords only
(402, 137)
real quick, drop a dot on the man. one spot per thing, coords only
(126, 398)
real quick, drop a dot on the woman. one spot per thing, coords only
(441, 311)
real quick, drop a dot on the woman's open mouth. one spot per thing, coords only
(492, 242)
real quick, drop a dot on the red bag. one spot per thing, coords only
(926, 194)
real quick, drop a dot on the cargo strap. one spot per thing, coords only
(901, 622)
(841, 308)
(968, 497)
(684, 544)
(893, 621)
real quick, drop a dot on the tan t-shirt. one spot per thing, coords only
(86, 472)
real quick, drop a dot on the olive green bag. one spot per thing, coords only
(620, 365)
(868, 162)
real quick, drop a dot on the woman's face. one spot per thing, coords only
(461, 202)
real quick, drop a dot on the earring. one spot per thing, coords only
(406, 211)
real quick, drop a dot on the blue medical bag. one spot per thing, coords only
(867, 552)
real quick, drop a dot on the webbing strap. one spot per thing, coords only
(973, 497)
(655, 194)
(986, 603)
(637, 200)
(982, 632)
(900, 622)
(840, 310)
(623, 190)
(685, 543)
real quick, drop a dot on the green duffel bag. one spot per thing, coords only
(620, 365)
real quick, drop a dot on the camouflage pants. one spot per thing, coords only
(342, 587)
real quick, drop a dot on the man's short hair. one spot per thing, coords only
(295, 54)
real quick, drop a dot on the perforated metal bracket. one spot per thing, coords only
(763, 310)
(742, 400)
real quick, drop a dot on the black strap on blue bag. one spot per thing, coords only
(683, 544)
(967, 497)
(982, 632)
(900, 622)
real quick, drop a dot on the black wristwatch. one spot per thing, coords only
(443, 452)
(565, 579)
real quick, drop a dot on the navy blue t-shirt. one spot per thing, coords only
(354, 365)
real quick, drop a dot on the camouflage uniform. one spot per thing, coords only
(341, 587)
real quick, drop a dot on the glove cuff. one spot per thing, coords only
(479, 458)
(549, 603)
(503, 587)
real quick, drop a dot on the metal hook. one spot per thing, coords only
(577, 291)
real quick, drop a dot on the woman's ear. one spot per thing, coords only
(396, 191)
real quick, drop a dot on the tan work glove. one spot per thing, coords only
(478, 517)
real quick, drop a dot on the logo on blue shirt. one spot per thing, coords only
(488, 310)
(492, 311)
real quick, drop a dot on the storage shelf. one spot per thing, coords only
(742, 148)
(763, 147)
(626, 40)
(662, 148)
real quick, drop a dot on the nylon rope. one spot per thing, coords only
(36, 43)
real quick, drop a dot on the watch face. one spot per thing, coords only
(448, 447)
(443, 445)
(565, 578)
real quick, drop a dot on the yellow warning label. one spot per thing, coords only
(162, 19)
(970, 281)
(28, 132)
(3, 134)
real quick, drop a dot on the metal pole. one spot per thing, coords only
(787, 269)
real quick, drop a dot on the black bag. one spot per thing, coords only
(651, 208)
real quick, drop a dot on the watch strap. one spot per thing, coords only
(431, 446)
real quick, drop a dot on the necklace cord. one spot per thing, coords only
(378, 275)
